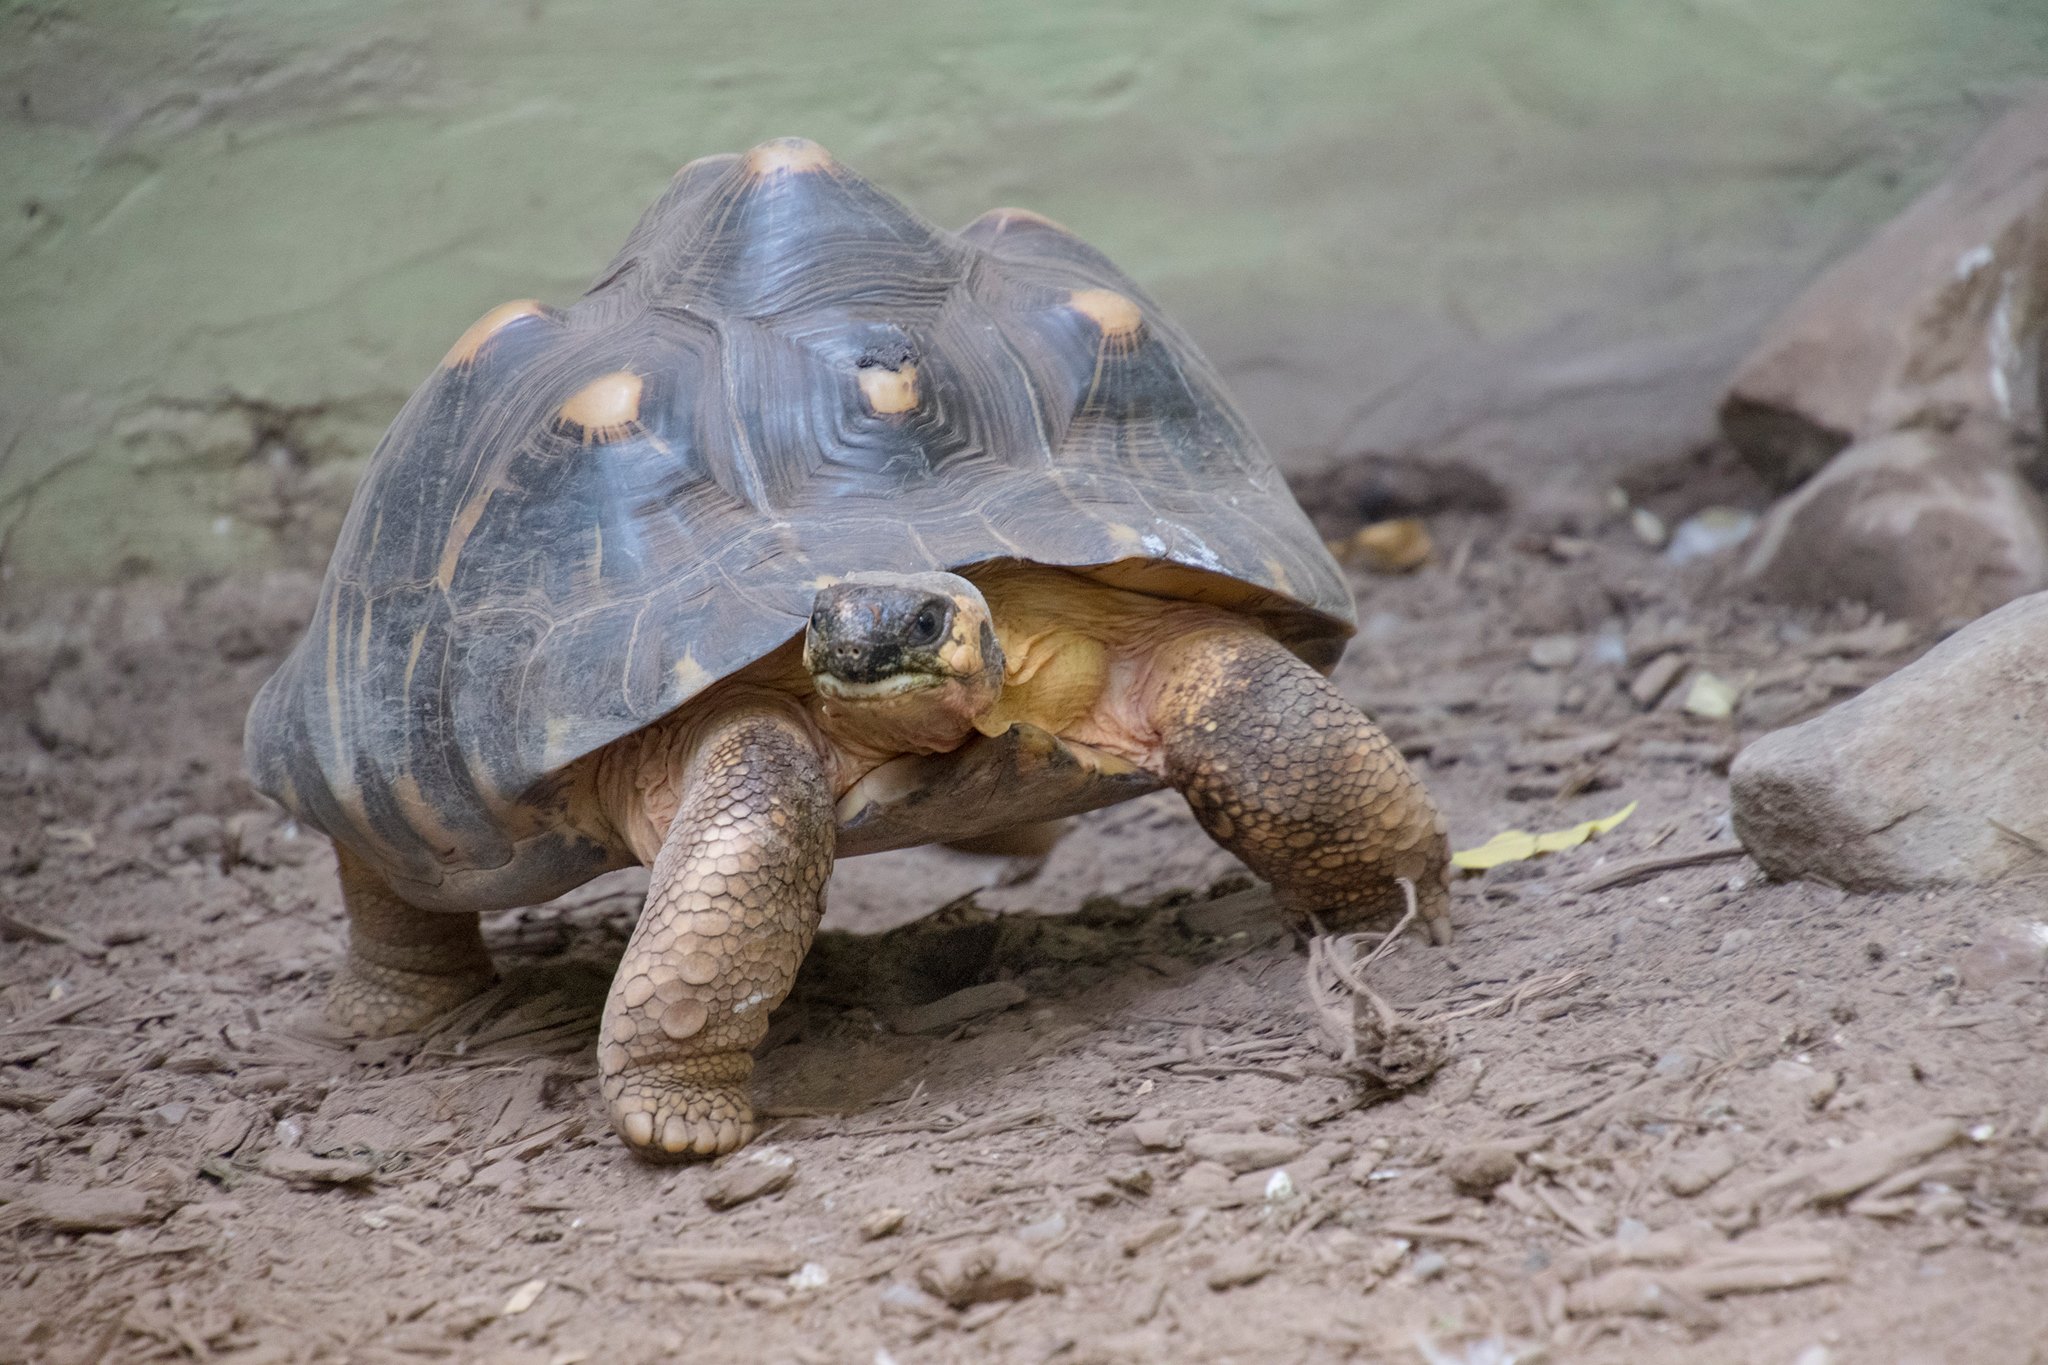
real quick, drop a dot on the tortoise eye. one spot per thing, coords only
(924, 628)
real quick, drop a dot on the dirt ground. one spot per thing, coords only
(1682, 1113)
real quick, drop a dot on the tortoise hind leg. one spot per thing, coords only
(405, 965)
(735, 897)
(1293, 779)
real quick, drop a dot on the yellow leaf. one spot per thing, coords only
(1512, 846)
(1711, 697)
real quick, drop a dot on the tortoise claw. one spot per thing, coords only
(683, 1108)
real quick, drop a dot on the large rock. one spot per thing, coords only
(1921, 523)
(1939, 316)
(1909, 784)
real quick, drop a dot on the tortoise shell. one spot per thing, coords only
(586, 516)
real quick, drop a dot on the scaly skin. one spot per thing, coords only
(736, 894)
(405, 966)
(1290, 777)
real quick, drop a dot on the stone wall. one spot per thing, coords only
(1537, 233)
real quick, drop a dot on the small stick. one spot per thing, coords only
(1630, 873)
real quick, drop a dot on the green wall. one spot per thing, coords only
(1539, 232)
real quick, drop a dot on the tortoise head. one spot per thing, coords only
(904, 660)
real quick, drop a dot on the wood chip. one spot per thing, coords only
(949, 1012)
(715, 1264)
(1831, 1177)
(1739, 1268)
(1689, 1173)
(75, 1106)
(751, 1177)
(1243, 1152)
(301, 1168)
(69, 1208)
(523, 1298)
(1656, 679)
(1238, 1266)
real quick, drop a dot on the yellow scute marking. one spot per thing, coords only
(1116, 315)
(471, 343)
(794, 154)
(555, 752)
(889, 391)
(606, 408)
(691, 676)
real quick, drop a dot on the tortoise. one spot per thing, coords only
(810, 530)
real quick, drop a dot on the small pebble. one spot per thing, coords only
(1477, 1169)
(881, 1223)
(1237, 1266)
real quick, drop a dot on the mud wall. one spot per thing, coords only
(1539, 232)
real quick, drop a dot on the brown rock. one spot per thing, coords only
(1935, 776)
(1939, 316)
(1477, 1169)
(981, 1272)
(1927, 524)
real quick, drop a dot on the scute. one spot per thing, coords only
(785, 376)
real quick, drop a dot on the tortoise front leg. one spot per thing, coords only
(405, 965)
(735, 897)
(1293, 779)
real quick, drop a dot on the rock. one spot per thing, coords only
(2007, 951)
(1927, 524)
(1243, 1152)
(1935, 776)
(1939, 316)
(881, 1223)
(981, 1272)
(61, 720)
(1477, 1169)
(1238, 1266)
(1690, 1173)
(1152, 1135)
(197, 835)
(1552, 652)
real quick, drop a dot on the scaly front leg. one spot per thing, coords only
(736, 893)
(1290, 777)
